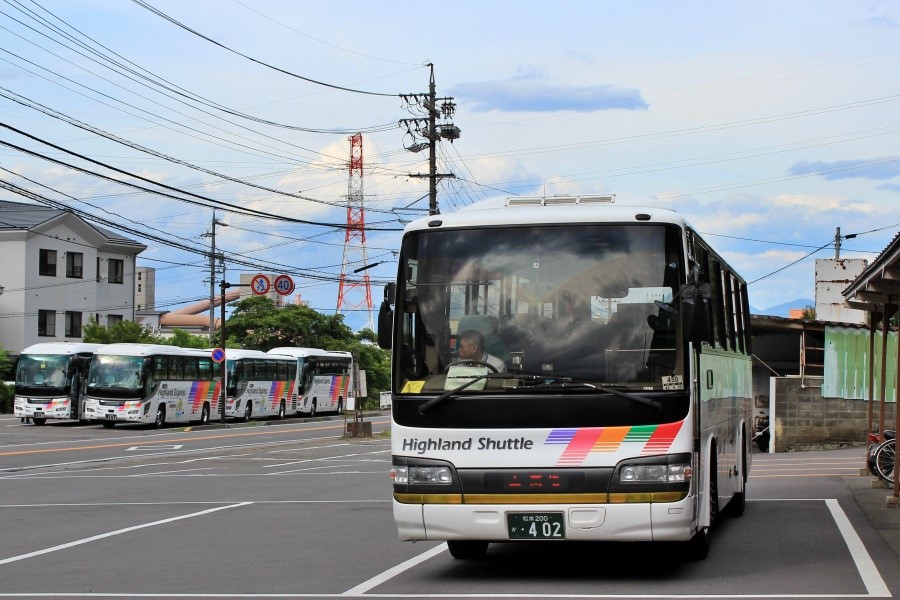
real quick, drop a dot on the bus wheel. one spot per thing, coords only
(340, 407)
(248, 412)
(312, 409)
(204, 415)
(39, 421)
(735, 507)
(281, 410)
(108, 424)
(467, 549)
(160, 416)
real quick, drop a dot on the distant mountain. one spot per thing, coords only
(782, 310)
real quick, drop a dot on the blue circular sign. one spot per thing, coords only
(218, 355)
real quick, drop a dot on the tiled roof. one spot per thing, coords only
(17, 215)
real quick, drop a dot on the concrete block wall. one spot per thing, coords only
(804, 420)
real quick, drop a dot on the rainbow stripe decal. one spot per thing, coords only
(279, 390)
(339, 385)
(203, 391)
(655, 439)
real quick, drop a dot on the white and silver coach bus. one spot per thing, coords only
(259, 384)
(323, 378)
(149, 383)
(608, 395)
(49, 380)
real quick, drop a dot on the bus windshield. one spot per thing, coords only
(42, 374)
(553, 307)
(115, 376)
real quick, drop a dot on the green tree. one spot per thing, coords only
(123, 331)
(809, 313)
(6, 374)
(182, 338)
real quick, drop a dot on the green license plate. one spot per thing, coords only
(536, 526)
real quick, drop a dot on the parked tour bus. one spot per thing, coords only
(49, 381)
(323, 378)
(565, 368)
(149, 383)
(259, 384)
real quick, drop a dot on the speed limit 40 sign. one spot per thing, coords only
(284, 285)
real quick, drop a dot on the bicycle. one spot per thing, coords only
(880, 458)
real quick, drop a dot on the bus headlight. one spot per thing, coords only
(416, 475)
(677, 473)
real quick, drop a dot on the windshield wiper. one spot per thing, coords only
(633, 397)
(450, 393)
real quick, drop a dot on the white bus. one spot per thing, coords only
(624, 412)
(49, 381)
(149, 383)
(323, 378)
(259, 384)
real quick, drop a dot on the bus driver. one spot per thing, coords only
(471, 347)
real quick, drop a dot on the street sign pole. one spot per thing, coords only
(222, 371)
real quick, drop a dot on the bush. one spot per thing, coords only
(6, 397)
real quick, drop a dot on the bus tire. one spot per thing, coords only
(698, 546)
(281, 411)
(738, 502)
(204, 414)
(248, 412)
(160, 416)
(39, 420)
(108, 424)
(340, 409)
(312, 408)
(467, 549)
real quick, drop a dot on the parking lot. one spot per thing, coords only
(293, 509)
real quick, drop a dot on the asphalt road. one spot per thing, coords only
(292, 509)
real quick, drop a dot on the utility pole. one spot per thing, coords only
(837, 243)
(428, 128)
(212, 274)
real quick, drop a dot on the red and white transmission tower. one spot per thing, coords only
(355, 240)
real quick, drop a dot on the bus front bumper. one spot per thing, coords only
(633, 522)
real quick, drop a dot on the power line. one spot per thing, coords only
(159, 13)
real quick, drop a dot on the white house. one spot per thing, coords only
(58, 271)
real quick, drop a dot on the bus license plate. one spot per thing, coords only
(38, 415)
(110, 417)
(535, 526)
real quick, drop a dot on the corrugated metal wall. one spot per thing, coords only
(847, 364)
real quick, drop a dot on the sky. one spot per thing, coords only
(767, 124)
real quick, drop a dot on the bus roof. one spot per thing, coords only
(297, 352)
(552, 210)
(130, 349)
(239, 353)
(61, 348)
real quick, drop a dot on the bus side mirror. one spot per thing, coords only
(696, 313)
(386, 317)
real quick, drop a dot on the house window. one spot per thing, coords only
(116, 273)
(98, 268)
(113, 319)
(73, 324)
(139, 287)
(74, 264)
(46, 323)
(47, 264)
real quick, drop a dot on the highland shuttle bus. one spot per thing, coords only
(323, 379)
(153, 384)
(259, 384)
(49, 378)
(622, 411)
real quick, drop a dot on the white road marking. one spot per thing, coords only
(101, 536)
(864, 564)
(365, 586)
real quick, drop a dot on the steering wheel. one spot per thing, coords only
(471, 361)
